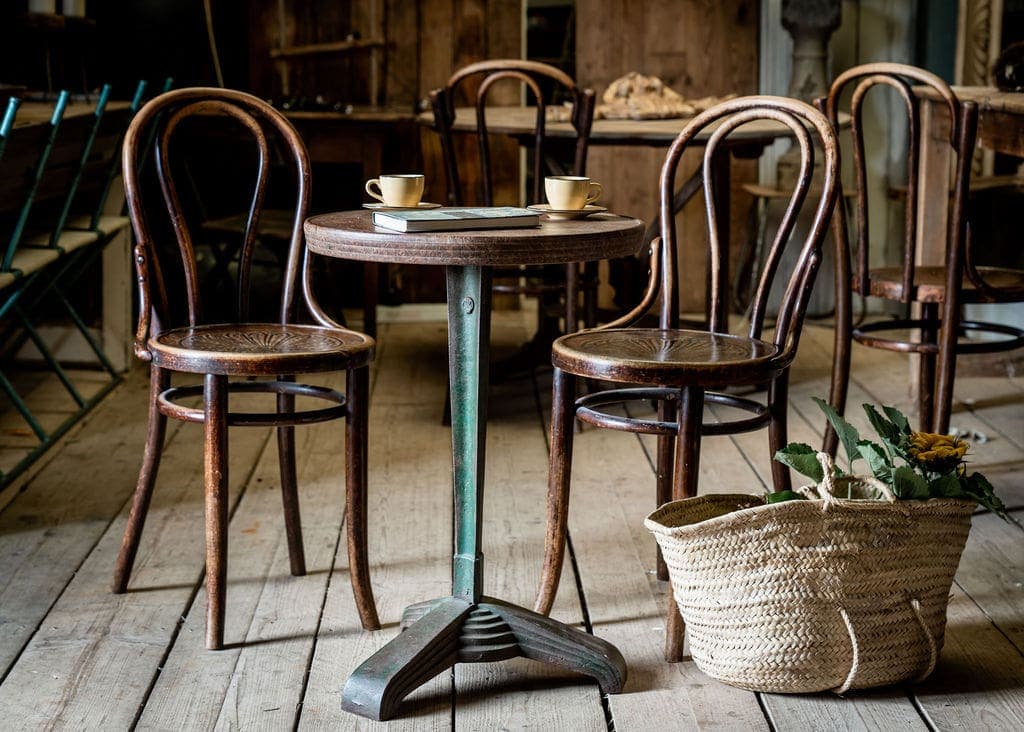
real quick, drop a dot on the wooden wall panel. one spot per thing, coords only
(453, 34)
(697, 47)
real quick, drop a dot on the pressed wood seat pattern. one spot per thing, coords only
(939, 289)
(677, 368)
(653, 354)
(241, 348)
(253, 348)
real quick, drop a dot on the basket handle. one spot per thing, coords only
(933, 649)
(826, 488)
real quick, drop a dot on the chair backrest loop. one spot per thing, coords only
(530, 74)
(908, 83)
(165, 113)
(808, 127)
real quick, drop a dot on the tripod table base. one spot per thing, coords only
(437, 634)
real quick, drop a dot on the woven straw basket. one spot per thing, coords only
(805, 596)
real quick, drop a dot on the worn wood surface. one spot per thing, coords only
(351, 234)
(76, 656)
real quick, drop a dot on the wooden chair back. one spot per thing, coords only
(167, 112)
(811, 131)
(963, 127)
(531, 74)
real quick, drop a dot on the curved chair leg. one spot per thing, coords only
(155, 431)
(663, 478)
(687, 475)
(563, 415)
(926, 369)
(778, 429)
(289, 484)
(946, 366)
(842, 348)
(215, 477)
(357, 384)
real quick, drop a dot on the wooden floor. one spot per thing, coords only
(75, 656)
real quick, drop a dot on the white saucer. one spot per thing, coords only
(565, 215)
(423, 205)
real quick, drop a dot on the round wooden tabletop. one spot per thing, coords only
(352, 235)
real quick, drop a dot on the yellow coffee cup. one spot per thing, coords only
(571, 192)
(402, 189)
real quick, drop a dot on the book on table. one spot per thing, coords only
(453, 219)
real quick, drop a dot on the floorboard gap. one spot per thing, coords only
(319, 622)
(765, 711)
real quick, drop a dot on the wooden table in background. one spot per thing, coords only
(468, 627)
(1000, 128)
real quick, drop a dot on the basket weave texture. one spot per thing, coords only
(805, 596)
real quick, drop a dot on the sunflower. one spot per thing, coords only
(937, 453)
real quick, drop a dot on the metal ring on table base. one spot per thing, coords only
(167, 405)
(1016, 340)
(586, 411)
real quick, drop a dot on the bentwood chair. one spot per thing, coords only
(536, 77)
(238, 356)
(680, 369)
(940, 290)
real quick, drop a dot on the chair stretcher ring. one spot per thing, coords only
(586, 411)
(861, 335)
(168, 406)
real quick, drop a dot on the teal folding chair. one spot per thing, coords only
(40, 266)
(20, 266)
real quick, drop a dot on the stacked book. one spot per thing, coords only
(453, 219)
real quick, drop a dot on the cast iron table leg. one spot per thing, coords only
(467, 627)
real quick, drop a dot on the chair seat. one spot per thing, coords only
(930, 284)
(260, 348)
(670, 357)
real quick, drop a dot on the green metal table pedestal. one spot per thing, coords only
(467, 627)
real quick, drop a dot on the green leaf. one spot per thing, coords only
(780, 496)
(906, 483)
(947, 486)
(846, 431)
(978, 487)
(888, 431)
(898, 419)
(877, 459)
(802, 458)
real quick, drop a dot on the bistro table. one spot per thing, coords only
(467, 627)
